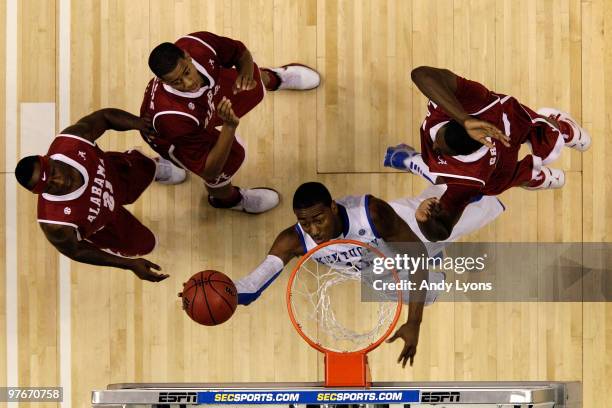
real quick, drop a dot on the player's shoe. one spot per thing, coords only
(297, 77)
(547, 179)
(398, 157)
(168, 173)
(257, 200)
(252, 200)
(578, 138)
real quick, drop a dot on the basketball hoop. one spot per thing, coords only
(312, 291)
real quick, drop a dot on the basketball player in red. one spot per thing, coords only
(192, 76)
(82, 190)
(464, 146)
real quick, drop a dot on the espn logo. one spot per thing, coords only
(441, 396)
(178, 397)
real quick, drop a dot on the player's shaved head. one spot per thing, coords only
(310, 194)
(164, 57)
(27, 171)
(316, 212)
(457, 140)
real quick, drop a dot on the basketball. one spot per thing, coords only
(209, 297)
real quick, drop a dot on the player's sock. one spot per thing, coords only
(547, 178)
(228, 202)
(274, 81)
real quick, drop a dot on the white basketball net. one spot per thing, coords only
(328, 305)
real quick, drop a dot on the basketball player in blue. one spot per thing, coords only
(370, 220)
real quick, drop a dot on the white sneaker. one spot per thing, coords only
(257, 200)
(579, 138)
(168, 173)
(547, 179)
(297, 77)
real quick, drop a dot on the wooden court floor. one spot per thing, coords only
(82, 55)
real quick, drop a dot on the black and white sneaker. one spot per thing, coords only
(297, 77)
(257, 200)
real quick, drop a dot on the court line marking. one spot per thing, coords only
(65, 298)
(12, 316)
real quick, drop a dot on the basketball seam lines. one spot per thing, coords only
(194, 296)
(222, 297)
(218, 281)
(206, 299)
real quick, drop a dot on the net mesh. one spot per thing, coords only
(327, 299)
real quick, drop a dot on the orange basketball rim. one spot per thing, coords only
(343, 368)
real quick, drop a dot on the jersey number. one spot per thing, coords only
(108, 200)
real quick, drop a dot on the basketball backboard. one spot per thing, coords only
(380, 395)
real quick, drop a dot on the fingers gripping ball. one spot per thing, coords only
(209, 298)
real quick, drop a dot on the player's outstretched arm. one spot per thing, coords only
(396, 233)
(64, 238)
(440, 86)
(92, 126)
(286, 247)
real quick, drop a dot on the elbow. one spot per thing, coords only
(435, 231)
(442, 233)
(71, 249)
(419, 73)
(70, 252)
(440, 236)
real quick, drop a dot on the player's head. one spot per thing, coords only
(175, 68)
(316, 212)
(453, 140)
(40, 174)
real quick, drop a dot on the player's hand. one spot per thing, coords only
(144, 270)
(428, 209)
(480, 130)
(244, 82)
(226, 113)
(409, 332)
(145, 126)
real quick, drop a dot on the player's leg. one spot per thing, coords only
(531, 174)
(574, 135)
(222, 194)
(291, 76)
(546, 140)
(406, 158)
(137, 171)
(553, 129)
(125, 236)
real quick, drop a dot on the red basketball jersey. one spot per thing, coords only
(186, 120)
(490, 171)
(91, 206)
